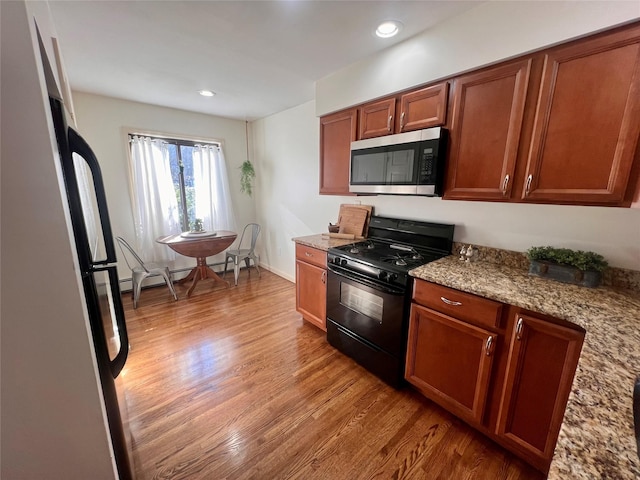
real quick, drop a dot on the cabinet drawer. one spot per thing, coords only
(465, 306)
(311, 255)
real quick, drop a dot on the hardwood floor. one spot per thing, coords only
(233, 384)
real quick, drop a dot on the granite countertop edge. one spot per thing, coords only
(514, 286)
(321, 242)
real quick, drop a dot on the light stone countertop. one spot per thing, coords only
(322, 242)
(597, 438)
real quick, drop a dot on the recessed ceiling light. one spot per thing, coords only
(388, 29)
(206, 93)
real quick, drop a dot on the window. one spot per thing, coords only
(175, 182)
(181, 161)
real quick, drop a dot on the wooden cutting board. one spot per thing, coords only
(349, 210)
(352, 219)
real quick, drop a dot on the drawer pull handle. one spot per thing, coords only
(519, 329)
(450, 302)
(323, 279)
(488, 346)
(308, 254)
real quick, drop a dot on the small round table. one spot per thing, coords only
(200, 247)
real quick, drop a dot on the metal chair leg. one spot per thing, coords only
(167, 278)
(226, 262)
(137, 286)
(236, 269)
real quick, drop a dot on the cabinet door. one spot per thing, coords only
(311, 293)
(376, 119)
(449, 361)
(488, 109)
(542, 361)
(337, 131)
(587, 121)
(423, 108)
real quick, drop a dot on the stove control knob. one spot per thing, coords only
(343, 262)
(392, 277)
(382, 275)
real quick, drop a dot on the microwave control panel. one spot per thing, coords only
(426, 165)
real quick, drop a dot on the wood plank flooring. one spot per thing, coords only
(233, 384)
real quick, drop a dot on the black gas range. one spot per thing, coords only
(369, 291)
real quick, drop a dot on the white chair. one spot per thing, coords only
(143, 270)
(246, 254)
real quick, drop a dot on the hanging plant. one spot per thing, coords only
(247, 174)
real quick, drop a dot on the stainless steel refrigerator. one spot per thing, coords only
(97, 260)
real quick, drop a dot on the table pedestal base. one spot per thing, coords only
(200, 272)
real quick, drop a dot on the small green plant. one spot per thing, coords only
(584, 261)
(247, 175)
(197, 225)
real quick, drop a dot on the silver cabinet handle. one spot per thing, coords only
(307, 254)
(402, 121)
(519, 328)
(505, 184)
(528, 187)
(389, 123)
(450, 302)
(323, 279)
(487, 347)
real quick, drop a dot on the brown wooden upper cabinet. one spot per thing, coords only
(587, 121)
(376, 119)
(486, 121)
(337, 131)
(423, 108)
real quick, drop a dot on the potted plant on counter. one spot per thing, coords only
(566, 265)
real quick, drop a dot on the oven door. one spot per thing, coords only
(373, 313)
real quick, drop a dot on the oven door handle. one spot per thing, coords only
(355, 277)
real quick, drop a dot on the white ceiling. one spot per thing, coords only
(260, 57)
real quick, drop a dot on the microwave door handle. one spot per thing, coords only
(79, 146)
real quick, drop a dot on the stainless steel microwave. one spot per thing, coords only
(409, 163)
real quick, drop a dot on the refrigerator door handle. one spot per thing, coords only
(117, 364)
(78, 145)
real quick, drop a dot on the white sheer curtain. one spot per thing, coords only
(155, 210)
(213, 197)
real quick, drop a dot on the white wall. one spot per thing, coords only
(53, 420)
(103, 123)
(488, 33)
(285, 151)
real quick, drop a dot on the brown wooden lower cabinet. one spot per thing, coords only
(510, 379)
(542, 362)
(450, 361)
(311, 285)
